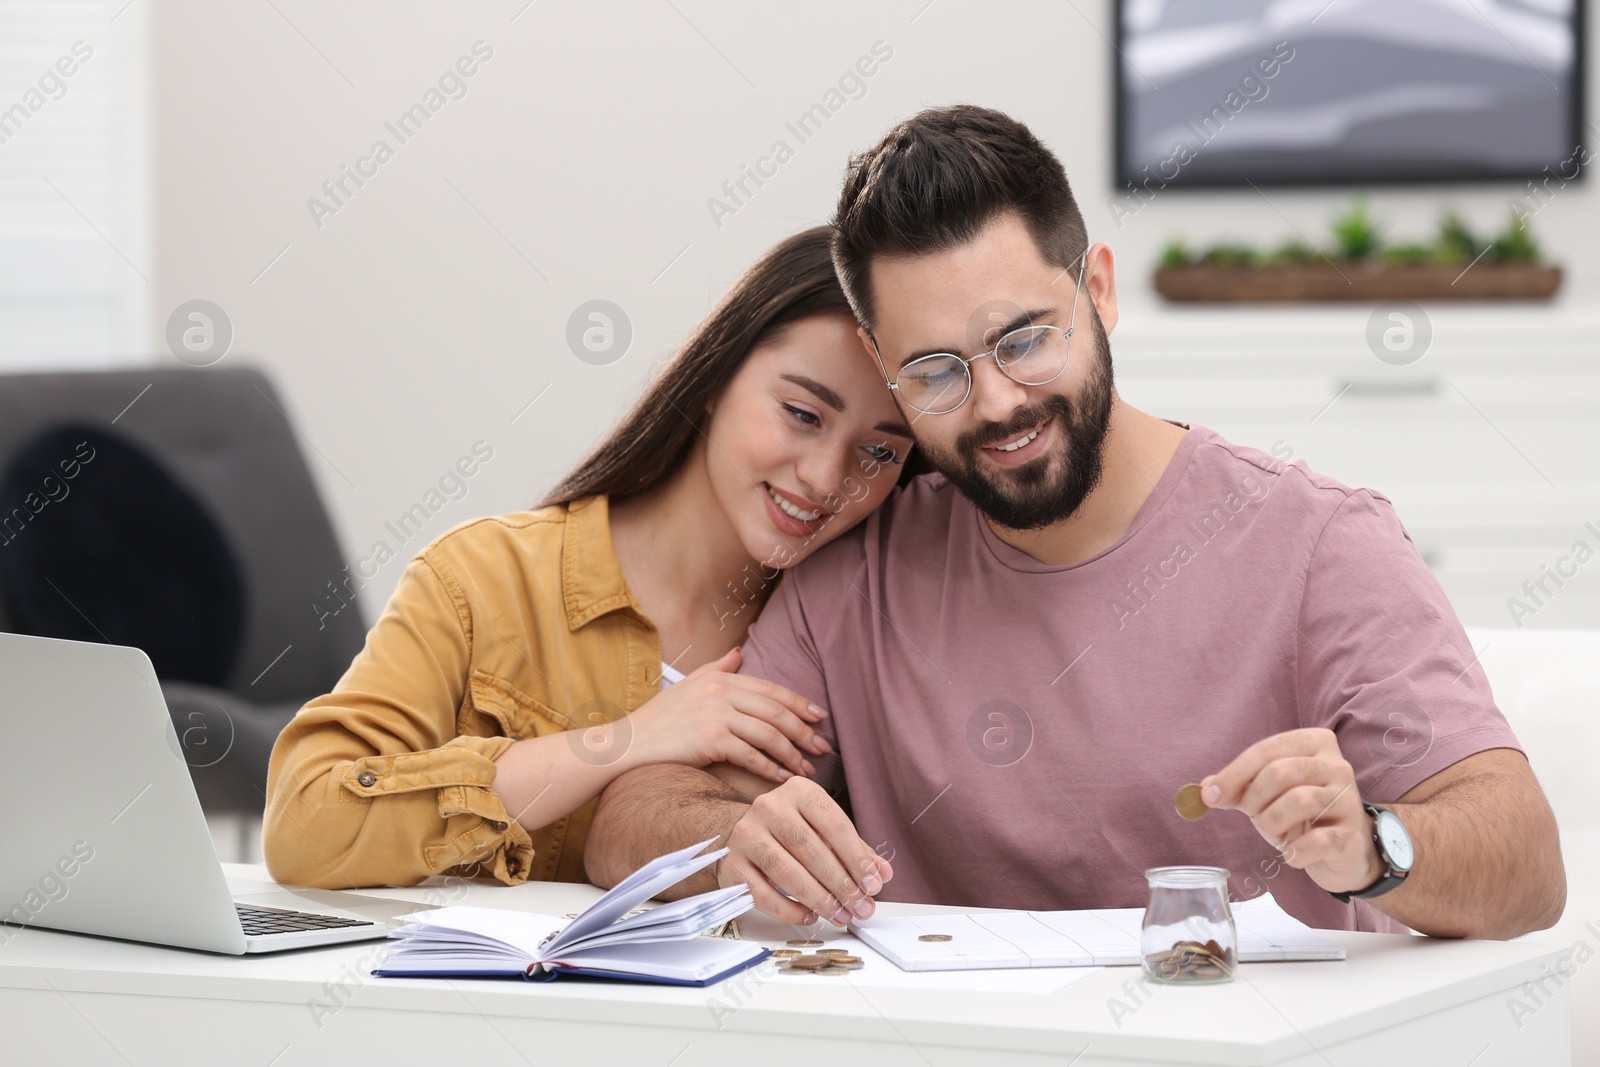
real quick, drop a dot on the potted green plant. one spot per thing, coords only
(1359, 265)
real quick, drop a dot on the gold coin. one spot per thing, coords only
(785, 953)
(830, 969)
(935, 937)
(809, 963)
(833, 952)
(1189, 804)
(804, 942)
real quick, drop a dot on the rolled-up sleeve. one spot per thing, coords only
(370, 784)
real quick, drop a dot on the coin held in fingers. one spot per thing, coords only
(1189, 804)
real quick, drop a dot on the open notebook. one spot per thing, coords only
(1096, 938)
(661, 945)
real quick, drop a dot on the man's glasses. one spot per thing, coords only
(1032, 355)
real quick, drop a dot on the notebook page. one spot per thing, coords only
(694, 959)
(690, 910)
(469, 927)
(687, 922)
(637, 888)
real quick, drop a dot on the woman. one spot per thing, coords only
(526, 660)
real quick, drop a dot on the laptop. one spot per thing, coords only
(103, 831)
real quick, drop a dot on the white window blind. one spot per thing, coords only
(76, 208)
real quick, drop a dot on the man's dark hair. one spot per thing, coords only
(935, 180)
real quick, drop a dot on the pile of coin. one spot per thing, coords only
(1191, 961)
(824, 961)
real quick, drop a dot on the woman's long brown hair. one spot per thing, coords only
(793, 281)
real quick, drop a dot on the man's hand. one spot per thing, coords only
(717, 716)
(1300, 794)
(795, 840)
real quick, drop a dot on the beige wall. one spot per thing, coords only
(429, 309)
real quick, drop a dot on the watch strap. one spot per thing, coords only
(1388, 879)
(1384, 883)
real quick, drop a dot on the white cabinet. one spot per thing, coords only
(1488, 445)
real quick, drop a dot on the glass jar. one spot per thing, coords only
(1188, 935)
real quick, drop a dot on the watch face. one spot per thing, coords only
(1396, 842)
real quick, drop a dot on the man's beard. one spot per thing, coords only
(1042, 491)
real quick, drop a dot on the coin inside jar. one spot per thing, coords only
(1189, 804)
(934, 937)
(1191, 961)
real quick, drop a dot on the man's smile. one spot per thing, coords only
(1021, 447)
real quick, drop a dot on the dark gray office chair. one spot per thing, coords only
(221, 441)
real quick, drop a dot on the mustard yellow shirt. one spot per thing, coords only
(509, 627)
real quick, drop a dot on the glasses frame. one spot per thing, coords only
(967, 362)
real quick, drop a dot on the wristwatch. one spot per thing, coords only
(1394, 851)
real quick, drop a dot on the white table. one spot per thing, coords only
(1411, 1000)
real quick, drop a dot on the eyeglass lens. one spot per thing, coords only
(1032, 355)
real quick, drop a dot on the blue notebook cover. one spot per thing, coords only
(551, 973)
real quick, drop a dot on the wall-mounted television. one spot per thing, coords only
(1348, 92)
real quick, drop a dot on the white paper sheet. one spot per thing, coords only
(880, 972)
(1048, 939)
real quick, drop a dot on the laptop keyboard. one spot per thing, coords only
(257, 921)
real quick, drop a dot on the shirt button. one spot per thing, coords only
(366, 778)
(498, 826)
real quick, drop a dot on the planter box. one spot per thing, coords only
(1356, 281)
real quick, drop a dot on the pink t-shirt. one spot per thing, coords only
(1011, 734)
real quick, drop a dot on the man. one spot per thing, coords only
(1027, 654)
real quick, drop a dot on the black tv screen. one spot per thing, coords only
(1295, 92)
